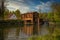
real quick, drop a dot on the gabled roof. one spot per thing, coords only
(12, 16)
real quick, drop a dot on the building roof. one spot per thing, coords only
(12, 16)
(29, 13)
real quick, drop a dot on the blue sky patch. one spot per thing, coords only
(31, 5)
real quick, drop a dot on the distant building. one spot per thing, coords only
(11, 17)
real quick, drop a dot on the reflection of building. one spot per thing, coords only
(27, 29)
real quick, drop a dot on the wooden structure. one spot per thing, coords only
(30, 19)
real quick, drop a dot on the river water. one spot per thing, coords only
(23, 33)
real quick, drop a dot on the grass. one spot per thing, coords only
(54, 36)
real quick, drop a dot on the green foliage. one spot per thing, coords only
(56, 11)
(58, 37)
(18, 14)
(43, 15)
(6, 12)
(45, 37)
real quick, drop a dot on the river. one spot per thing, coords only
(23, 33)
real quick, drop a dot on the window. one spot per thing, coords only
(28, 21)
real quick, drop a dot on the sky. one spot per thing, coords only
(30, 5)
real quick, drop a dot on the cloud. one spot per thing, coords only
(44, 7)
(28, 5)
(19, 4)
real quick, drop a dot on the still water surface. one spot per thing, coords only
(23, 33)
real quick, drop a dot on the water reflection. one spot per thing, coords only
(24, 32)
